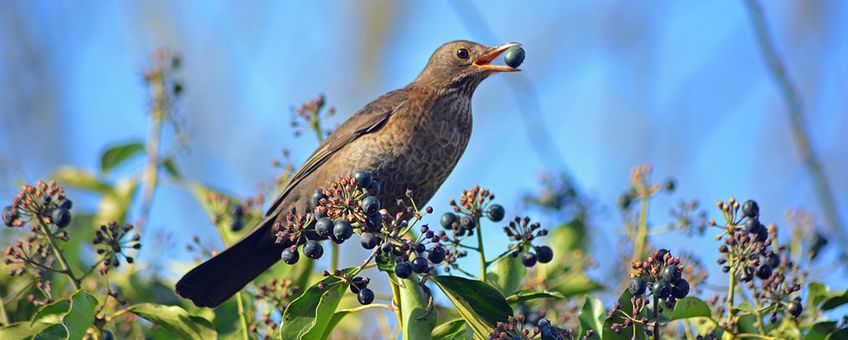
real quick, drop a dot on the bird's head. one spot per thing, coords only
(463, 64)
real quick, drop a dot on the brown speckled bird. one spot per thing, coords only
(409, 138)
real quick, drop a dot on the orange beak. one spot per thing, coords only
(485, 61)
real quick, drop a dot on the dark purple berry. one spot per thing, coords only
(794, 308)
(368, 240)
(386, 248)
(773, 260)
(365, 296)
(753, 226)
(324, 227)
(764, 271)
(544, 254)
(61, 217)
(358, 283)
(528, 259)
(661, 289)
(420, 265)
(290, 256)
(447, 220)
(317, 196)
(495, 213)
(419, 248)
(363, 178)
(661, 254)
(514, 56)
(437, 254)
(680, 289)
(762, 235)
(671, 273)
(342, 230)
(237, 225)
(374, 222)
(467, 222)
(403, 270)
(65, 203)
(374, 188)
(312, 249)
(9, 216)
(370, 205)
(637, 286)
(751, 209)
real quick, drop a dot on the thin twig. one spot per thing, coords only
(795, 114)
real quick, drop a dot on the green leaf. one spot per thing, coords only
(176, 320)
(816, 293)
(413, 309)
(591, 317)
(481, 305)
(80, 179)
(820, 330)
(65, 319)
(627, 332)
(171, 168)
(506, 275)
(576, 284)
(835, 301)
(454, 329)
(526, 295)
(116, 202)
(309, 315)
(690, 307)
(838, 334)
(118, 154)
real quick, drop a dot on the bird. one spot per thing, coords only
(409, 139)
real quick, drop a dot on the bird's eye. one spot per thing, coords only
(462, 53)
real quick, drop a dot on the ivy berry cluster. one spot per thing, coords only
(516, 329)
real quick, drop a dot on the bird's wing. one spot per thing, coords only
(369, 119)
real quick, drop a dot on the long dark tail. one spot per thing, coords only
(216, 280)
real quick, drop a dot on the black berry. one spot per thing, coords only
(671, 273)
(342, 230)
(751, 209)
(467, 222)
(370, 205)
(358, 283)
(764, 271)
(680, 289)
(65, 203)
(762, 235)
(9, 216)
(312, 249)
(529, 259)
(495, 213)
(368, 240)
(437, 254)
(237, 224)
(448, 219)
(374, 188)
(661, 254)
(637, 286)
(316, 197)
(661, 289)
(420, 265)
(543, 322)
(773, 260)
(752, 225)
(794, 308)
(324, 227)
(544, 254)
(374, 222)
(363, 178)
(514, 56)
(365, 296)
(419, 248)
(290, 255)
(403, 270)
(386, 248)
(61, 217)
(551, 333)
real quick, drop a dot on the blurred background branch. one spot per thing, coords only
(795, 113)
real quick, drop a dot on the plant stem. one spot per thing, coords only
(242, 318)
(396, 303)
(364, 307)
(731, 289)
(796, 120)
(641, 238)
(4, 319)
(66, 269)
(687, 329)
(334, 256)
(656, 317)
(483, 263)
(151, 169)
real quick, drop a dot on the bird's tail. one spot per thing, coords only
(216, 280)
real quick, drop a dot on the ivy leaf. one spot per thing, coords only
(481, 305)
(309, 315)
(118, 154)
(835, 301)
(80, 179)
(820, 330)
(526, 295)
(591, 317)
(67, 319)
(454, 330)
(413, 307)
(175, 319)
(690, 307)
(626, 332)
(171, 168)
(506, 275)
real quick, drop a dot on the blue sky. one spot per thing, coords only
(679, 85)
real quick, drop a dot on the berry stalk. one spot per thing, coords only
(58, 253)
